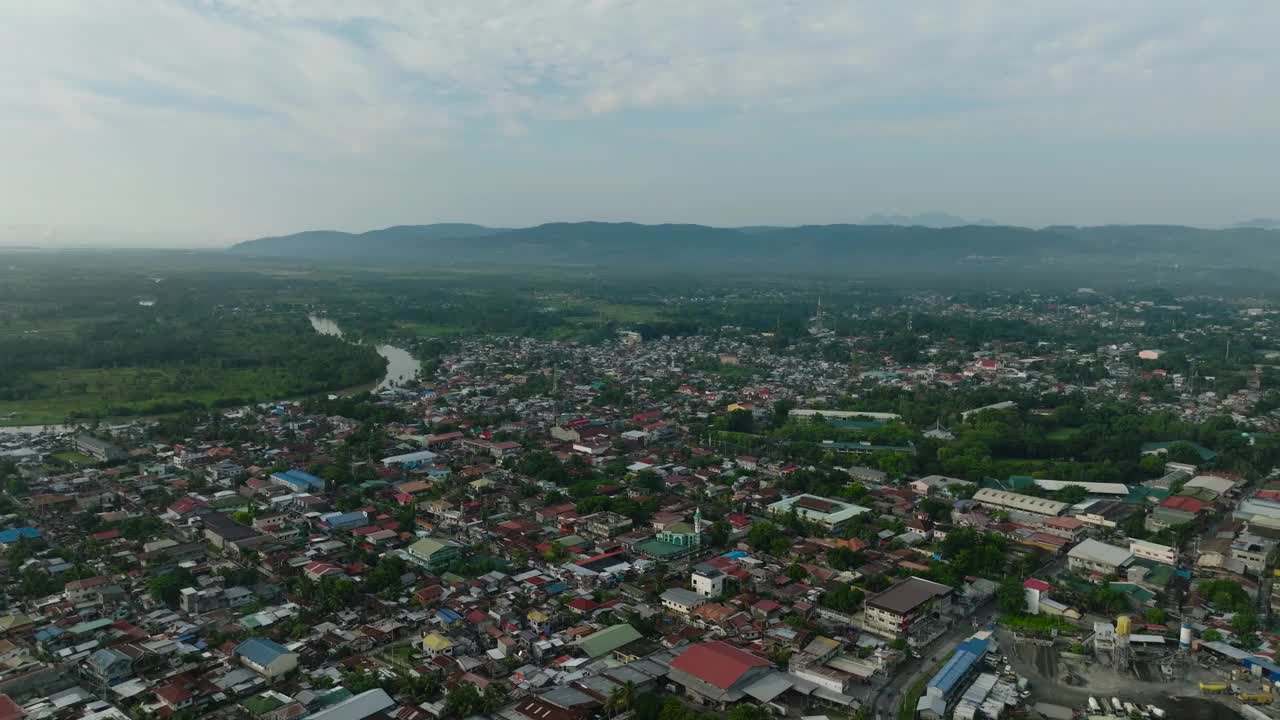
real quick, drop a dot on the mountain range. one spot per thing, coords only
(843, 249)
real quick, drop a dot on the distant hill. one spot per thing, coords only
(399, 240)
(840, 249)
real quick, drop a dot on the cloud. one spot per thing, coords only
(356, 80)
(357, 74)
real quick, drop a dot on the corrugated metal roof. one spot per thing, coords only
(358, 707)
(955, 670)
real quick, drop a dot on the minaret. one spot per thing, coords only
(697, 525)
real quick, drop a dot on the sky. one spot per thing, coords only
(205, 122)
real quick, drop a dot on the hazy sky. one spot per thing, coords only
(211, 121)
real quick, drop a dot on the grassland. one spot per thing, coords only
(125, 391)
(428, 330)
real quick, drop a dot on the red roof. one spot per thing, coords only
(10, 710)
(1182, 502)
(717, 663)
(600, 557)
(173, 693)
(1034, 584)
(185, 505)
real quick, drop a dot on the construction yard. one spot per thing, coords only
(1061, 677)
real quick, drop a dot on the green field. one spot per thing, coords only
(75, 458)
(139, 391)
(427, 330)
(617, 312)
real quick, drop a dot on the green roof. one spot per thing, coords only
(608, 640)
(1021, 482)
(1142, 595)
(333, 697)
(426, 547)
(1158, 574)
(1139, 494)
(661, 549)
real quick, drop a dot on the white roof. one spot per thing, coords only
(1094, 488)
(421, 455)
(1211, 482)
(840, 511)
(358, 707)
(1100, 552)
(1020, 502)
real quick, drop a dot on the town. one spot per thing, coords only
(924, 523)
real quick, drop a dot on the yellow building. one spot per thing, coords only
(436, 644)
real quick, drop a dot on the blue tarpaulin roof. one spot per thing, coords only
(298, 478)
(12, 535)
(957, 668)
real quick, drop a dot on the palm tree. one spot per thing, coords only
(620, 699)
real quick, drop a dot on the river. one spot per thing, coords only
(402, 367)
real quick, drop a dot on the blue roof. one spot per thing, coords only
(340, 518)
(735, 554)
(448, 615)
(12, 535)
(957, 668)
(555, 588)
(261, 651)
(298, 478)
(1271, 669)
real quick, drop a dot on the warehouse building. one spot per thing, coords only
(1017, 503)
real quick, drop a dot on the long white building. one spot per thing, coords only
(1016, 502)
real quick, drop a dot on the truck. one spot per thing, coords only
(1213, 688)
(1094, 707)
(1255, 698)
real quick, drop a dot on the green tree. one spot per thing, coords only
(462, 701)
(168, 586)
(1244, 622)
(744, 711)
(741, 421)
(1011, 595)
(621, 699)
